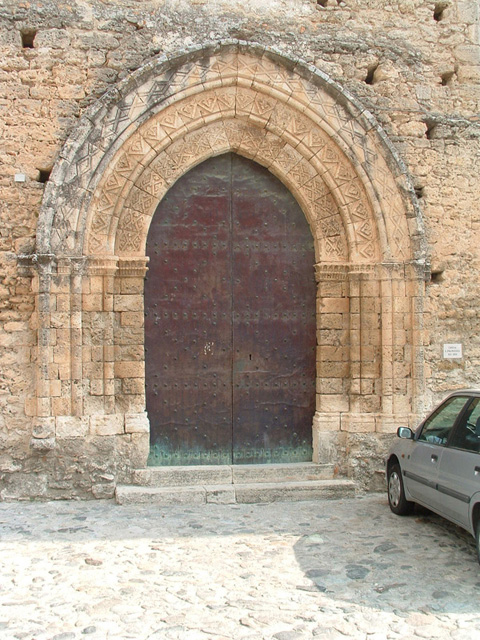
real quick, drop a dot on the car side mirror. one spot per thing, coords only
(405, 432)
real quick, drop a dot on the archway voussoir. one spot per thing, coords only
(154, 134)
(166, 167)
(140, 201)
(302, 173)
(139, 149)
(152, 183)
(269, 147)
(286, 160)
(334, 249)
(217, 136)
(131, 233)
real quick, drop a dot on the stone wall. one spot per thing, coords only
(413, 65)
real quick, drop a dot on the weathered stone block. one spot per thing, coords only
(358, 423)
(92, 302)
(96, 387)
(334, 403)
(132, 319)
(72, 426)
(30, 407)
(132, 285)
(330, 385)
(61, 406)
(333, 305)
(43, 428)
(129, 370)
(133, 385)
(137, 423)
(42, 444)
(106, 425)
(128, 302)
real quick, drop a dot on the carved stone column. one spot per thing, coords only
(45, 265)
(41, 267)
(402, 294)
(99, 351)
(76, 339)
(333, 361)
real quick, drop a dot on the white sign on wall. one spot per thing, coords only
(452, 351)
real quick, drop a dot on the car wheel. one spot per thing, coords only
(396, 494)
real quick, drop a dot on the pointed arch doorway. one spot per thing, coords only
(230, 329)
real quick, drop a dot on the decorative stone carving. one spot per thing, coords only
(130, 150)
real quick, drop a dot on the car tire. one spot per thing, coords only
(396, 494)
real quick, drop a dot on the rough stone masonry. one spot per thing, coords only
(368, 112)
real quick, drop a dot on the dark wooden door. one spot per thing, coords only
(230, 320)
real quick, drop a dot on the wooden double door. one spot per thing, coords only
(230, 328)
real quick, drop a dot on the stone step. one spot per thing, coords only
(228, 474)
(183, 476)
(293, 472)
(251, 493)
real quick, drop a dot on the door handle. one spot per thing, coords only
(477, 471)
(434, 457)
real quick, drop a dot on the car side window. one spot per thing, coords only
(438, 426)
(467, 433)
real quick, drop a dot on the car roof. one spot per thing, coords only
(462, 392)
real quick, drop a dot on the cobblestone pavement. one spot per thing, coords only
(329, 570)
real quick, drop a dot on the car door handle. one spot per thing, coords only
(434, 457)
(477, 471)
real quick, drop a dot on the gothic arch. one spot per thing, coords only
(316, 126)
(129, 149)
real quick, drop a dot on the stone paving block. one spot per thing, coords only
(331, 569)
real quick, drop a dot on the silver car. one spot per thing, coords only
(438, 465)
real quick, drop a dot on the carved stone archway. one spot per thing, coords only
(132, 146)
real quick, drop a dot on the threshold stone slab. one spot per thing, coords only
(160, 495)
(183, 476)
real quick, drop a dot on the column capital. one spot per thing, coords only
(133, 267)
(325, 272)
(102, 265)
(43, 263)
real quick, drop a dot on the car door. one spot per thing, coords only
(422, 465)
(459, 470)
